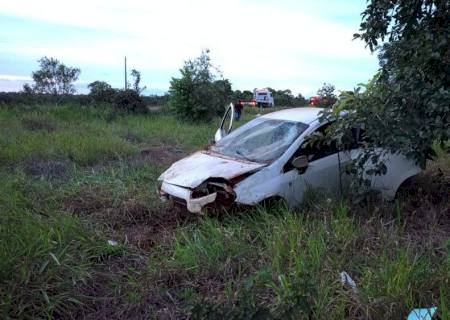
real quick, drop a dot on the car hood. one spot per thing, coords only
(191, 171)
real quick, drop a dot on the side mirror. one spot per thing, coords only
(300, 163)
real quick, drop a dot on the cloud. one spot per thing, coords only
(9, 77)
(275, 41)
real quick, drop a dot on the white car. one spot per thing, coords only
(268, 158)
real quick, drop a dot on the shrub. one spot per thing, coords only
(101, 92)
(130, 102)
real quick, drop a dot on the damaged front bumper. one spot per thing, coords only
(194, 201)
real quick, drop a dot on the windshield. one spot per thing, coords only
(260, 140)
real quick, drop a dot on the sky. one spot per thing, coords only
(283, 44)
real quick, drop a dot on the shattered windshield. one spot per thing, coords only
(260, 140)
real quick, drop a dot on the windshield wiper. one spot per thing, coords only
(244, 156)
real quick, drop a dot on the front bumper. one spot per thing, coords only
(195, 205)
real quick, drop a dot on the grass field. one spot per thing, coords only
(73, 178)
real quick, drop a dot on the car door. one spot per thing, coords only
(322, 173)
(226, 124)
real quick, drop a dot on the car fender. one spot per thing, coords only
(258, 187)
(399, 169)
(408, 174)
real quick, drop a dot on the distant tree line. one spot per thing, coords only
(22, 98)
(200, 94)
(54, 82)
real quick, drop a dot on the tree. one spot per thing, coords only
(247, 94)
(300, 100)
(405, 108)
(53, 77)
(197, 95)
(224, 90)
(27, 89)
(101, 92)
(136, 75)
(326, 95)
(283, 97)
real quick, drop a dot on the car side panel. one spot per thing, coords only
(399, 168)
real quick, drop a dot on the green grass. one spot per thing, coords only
(42, 256)
(288, 263)
(75, 177)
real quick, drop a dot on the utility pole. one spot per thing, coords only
(126, 83)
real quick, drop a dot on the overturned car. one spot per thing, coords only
(269, 157)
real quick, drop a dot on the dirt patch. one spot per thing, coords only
(130, 222)
(111, 273)
(87, 203)
(136, 224)
(38, 125)
(158, 156)
(48, 169)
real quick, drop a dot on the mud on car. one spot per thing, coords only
(269, 157)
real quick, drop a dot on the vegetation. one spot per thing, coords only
(326, 95)
(136, 75)
(129, 101)
(53, 77)
(101, 92)
(405, 107)
(83, 234)
(197, 95)
(12, 99)
(74, 178)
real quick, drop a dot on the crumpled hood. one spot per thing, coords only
(191, 171)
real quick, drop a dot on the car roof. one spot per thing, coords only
(304, 114)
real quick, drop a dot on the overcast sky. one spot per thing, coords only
(288, 44)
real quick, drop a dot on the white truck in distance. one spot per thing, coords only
(263, 97)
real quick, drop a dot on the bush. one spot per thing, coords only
(130, 102)
(101, 92)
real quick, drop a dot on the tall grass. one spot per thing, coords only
(268, 262)
(287, 264)
(44, 256)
